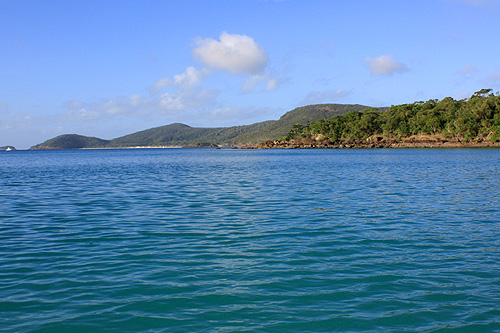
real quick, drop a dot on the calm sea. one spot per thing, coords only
(206, 240)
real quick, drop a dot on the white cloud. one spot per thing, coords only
(385, 65)
(189, 79)
(236, 54)
(327, 96)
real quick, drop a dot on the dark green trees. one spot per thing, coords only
(477, 118)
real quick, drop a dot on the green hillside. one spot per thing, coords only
(183, 135)
(273, 130)
(72, 141)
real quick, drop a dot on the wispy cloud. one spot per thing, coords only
(468, 70)
(185, 100)
(385, 65)
(266, 80)
(139, 106)
(225, 116)
(326, 96)
(15, 126)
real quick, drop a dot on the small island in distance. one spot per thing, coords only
(473, 122)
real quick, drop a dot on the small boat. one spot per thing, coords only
(8, 149)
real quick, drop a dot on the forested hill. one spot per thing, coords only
(72, 141)
(448, 121)
(184, 135)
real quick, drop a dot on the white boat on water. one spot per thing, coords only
(8, 149)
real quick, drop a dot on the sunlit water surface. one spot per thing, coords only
(206, 240)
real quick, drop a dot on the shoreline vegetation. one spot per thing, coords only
(449, 123)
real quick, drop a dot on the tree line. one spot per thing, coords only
(468, 119)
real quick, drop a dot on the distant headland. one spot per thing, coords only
(181, 135)
(472, 122)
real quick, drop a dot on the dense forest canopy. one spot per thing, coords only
(469, 119)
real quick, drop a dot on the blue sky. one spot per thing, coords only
(110, 68)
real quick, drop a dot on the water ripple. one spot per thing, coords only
(229, 240)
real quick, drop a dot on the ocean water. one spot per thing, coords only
(207, 240)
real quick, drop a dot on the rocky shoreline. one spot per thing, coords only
(377, 141)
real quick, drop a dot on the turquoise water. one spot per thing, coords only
(205, 240)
